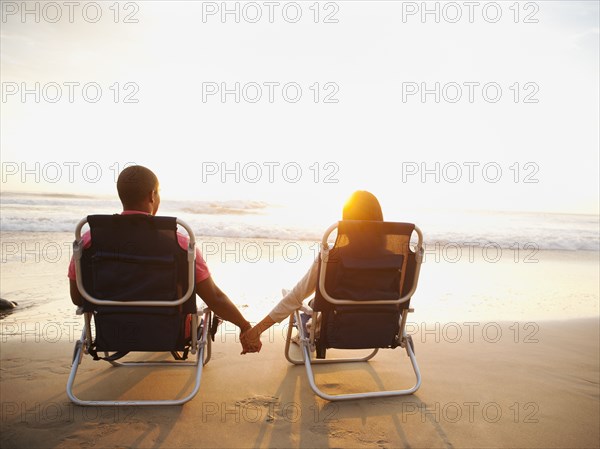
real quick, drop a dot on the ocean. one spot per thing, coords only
(479, 265)
(20, 212)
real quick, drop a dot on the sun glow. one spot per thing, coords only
(378, 134)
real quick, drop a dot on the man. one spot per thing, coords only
(138, 190)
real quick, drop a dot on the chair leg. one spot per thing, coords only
(289, 339)
(372, 394)
(199, 363)
(308, 362)
(413, 360)
(77, 356)
(208, 350)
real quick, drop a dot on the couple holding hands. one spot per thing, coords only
(138, 190)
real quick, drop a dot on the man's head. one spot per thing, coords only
(138, 189)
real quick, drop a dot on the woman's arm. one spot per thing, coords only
(251, 338)
(293, 300)
(290, 302)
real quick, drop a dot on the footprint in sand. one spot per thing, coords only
(271, 403)
(260, 400)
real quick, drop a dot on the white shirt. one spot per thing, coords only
(293, 300)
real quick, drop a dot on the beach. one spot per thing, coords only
(508, 352)
(474, 394)
(262, 124)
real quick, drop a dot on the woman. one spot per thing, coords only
(361, 205)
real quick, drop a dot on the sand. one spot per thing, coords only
(480, 389)
(527, 381)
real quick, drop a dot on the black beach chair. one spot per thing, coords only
(362, 298)
(138, 286)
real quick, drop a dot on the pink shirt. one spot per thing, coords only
(202, 272)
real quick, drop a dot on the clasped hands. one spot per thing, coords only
(250, 339)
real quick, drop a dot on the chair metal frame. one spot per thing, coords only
(200, 343)
(308, 341)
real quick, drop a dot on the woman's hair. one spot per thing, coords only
(362, 205)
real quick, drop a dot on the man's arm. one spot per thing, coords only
(220, 303)
(222, 306)
(75, 295)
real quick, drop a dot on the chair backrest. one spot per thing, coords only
(370, 261)
(132, 258)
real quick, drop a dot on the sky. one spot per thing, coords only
(301, 103)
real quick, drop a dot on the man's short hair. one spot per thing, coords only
(134, 183)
